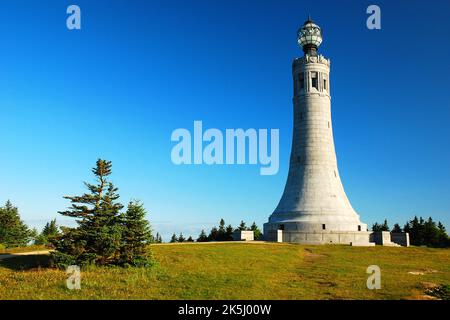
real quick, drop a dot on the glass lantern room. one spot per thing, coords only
(310, 37)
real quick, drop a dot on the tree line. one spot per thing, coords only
(421, 232)
(221, 233)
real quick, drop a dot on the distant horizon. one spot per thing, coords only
(137, 71)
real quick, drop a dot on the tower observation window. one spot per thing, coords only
(314, 80)
(325, 84)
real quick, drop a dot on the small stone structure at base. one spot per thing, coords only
(401, 238)
(241, 235)
(394, 239)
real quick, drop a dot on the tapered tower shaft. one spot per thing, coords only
(314, 206)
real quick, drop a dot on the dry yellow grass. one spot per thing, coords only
(241, 271)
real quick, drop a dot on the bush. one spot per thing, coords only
(62, 260)
(2, 247)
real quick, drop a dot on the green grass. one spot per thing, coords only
(241, 271)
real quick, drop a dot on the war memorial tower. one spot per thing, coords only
(314, 207)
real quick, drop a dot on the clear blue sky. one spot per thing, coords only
(140, 69)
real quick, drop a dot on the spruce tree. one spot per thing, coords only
(221, 236)
(49, 233)
(443, 238)
(190, 239)
(181, 238)
(213, 234)
(13, 231)
(385, 226)
(157, 238)
(431, 233)
(97, 239)
(257, 234)
(202, 237)
(229, 233)
(136, 236)
(376, 227)
(174, 238)
(242, 226)
(396, 228)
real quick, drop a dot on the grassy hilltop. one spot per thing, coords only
(240, 271)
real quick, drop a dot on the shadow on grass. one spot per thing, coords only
(22, 263)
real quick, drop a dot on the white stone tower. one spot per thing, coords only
(314, 207)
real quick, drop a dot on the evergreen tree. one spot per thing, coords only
(431, 233)
(213, 235)
(376, 227)
(407, 228)
(415, 228)
(157, 238)
(136, 236)
(202, 237)
(229, 233)
(385, 226)
(257, 234)
(48, 234)
(443, 238)
(426, 233)
(13, 231)
(97, 239)
(242, 226)
(190, 239)
(396, 228)
(181, 238)
(221, 236)
(174, 238)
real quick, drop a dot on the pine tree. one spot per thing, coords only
(229, 233)
(415, 231)
(190, 239)
(97, 239)
(174, 238)
(202, 237)
(257, 234)
(213, 234)
(49, 233)
(157, 238)
(376, 227)
(221, 232)
(396, 228)
(181, 238)
(426, 233)
(136, 236)
(13, 231)
(242, 226)
(431, 233)
(443, 238)
(385, 226)
(407, 228)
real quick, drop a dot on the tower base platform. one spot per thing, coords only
(339, 237)
(307, 233)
